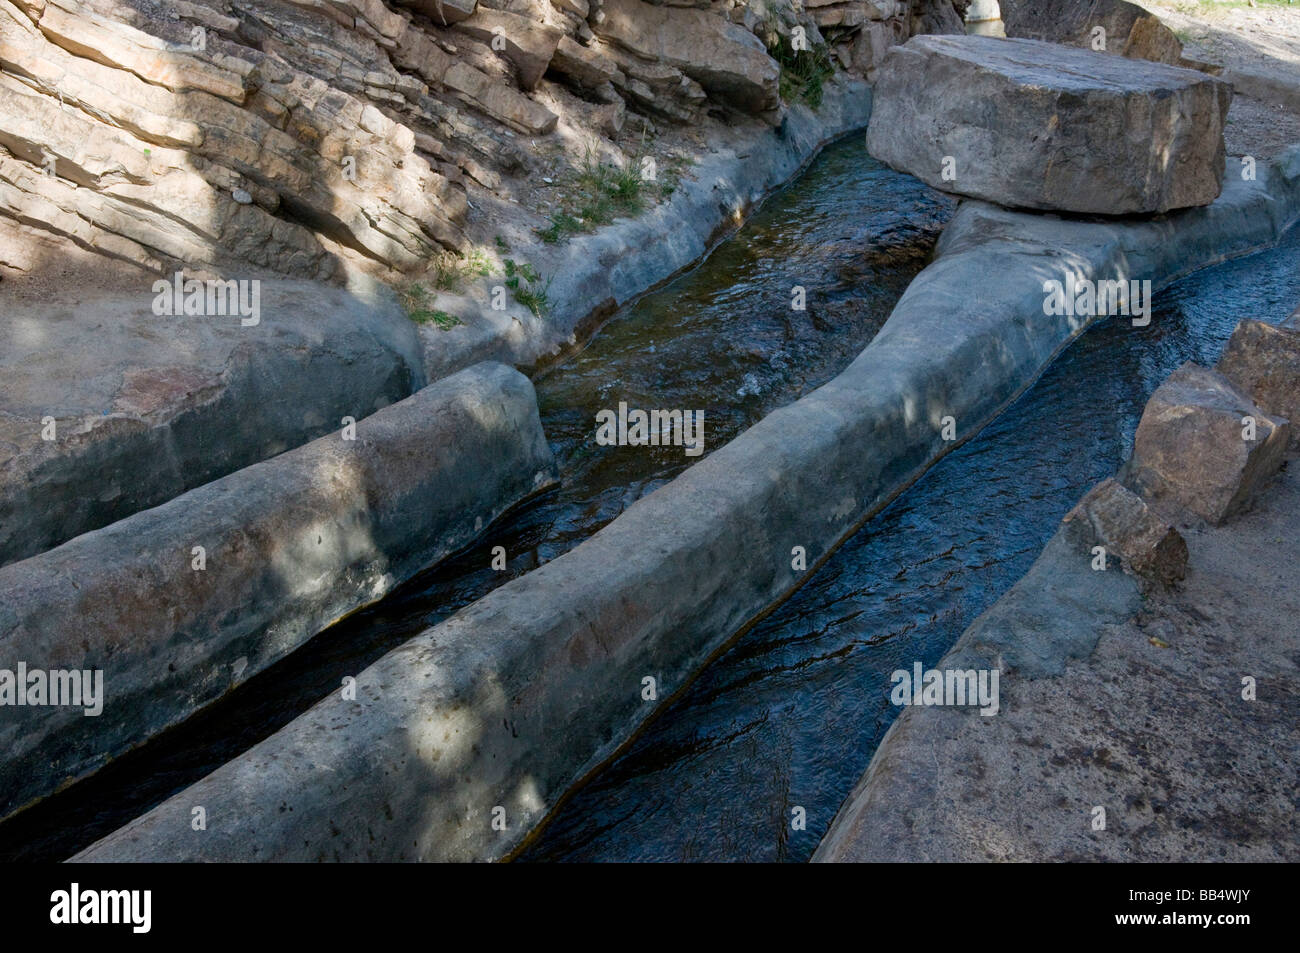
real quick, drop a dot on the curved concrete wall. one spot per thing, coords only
(290, 546)
(596, 274)
(515, 698)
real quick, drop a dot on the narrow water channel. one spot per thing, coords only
(723, 339)
(792, 713)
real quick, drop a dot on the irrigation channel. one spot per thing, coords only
(792, 713)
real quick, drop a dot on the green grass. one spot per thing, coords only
(526, 285)
(450, 269)
(803, 72)
(416, 299)
(598, 192)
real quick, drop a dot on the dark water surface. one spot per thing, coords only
(722, 339)
(792, 713)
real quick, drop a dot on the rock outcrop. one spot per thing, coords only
(1203, 447)
(1037, 125)
(304, 138)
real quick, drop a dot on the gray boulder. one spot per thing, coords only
(1192, 451)
(1037, 125)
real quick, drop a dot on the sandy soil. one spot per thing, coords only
(1259, 49)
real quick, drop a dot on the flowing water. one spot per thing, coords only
(791, 715)
(722, 339)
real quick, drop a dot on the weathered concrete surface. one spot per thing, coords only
(513, 699)
(624, 260)
(146, 407)
(1193, 451)
(291, 545)
(1038, 125)
(1137, 712)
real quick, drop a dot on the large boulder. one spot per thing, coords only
(1037, 125)
(727, 60)
(1263, 361)
(1195, 449)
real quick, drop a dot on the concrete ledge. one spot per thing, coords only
(291, 545)
(515, 698)
(148, 406)
(1107, 700)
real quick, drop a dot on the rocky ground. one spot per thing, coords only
(1144, 715)
(1259, 48)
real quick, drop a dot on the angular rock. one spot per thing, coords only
(529, 45)
(1117, 519)
(1037, 125)
(727, 60)
(1129, 29)
(442, 12)
(586, 67)
(1263, 362)
(1191, 451)
(500, 101)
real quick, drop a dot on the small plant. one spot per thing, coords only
(526, 285)
(599, 192)
(503, 246)
(450, 269)
(416, 299)
(803, 72)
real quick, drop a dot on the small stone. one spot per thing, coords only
(1117, 519)
(242, 197)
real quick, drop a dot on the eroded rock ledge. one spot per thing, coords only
(307, 137)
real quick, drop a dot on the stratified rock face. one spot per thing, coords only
(302, 137)
(1036, 125)
(1263, 362)
(725, 59)
(1117, 519)
(1194, 448)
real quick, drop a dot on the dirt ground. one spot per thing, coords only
(1259, 48)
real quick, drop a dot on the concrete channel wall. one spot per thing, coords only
(593, 275)
(147, 406)
(289, 546)
(460, 742)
